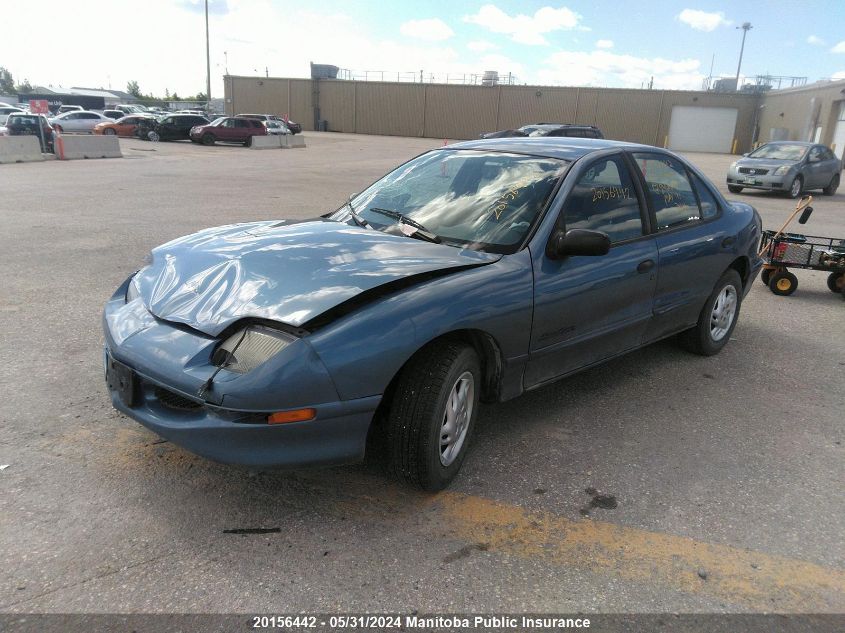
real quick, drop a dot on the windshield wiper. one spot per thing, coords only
(421, 231)
(357, 218)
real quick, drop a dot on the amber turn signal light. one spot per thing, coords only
(297, 415)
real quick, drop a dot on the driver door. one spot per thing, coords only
(587, 309)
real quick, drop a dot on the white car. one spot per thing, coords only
(6, 110)
(276, 127)
(83, 121)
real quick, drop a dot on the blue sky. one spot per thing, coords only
(597, 43)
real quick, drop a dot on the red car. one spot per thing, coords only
(231, 129)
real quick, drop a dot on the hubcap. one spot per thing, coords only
(456, 418)
(796, 187)
(724, 311)
(783, 284)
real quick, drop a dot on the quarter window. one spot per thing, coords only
(604, 200)
(709, 206)
(669, 190)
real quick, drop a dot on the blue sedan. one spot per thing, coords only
(470, 273)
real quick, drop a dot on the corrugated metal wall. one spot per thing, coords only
(461, 112)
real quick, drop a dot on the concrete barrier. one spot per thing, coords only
(20, 149)
(271, 141)
(294, 141)
(93, 146)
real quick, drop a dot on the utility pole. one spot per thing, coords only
(746, 26)
(207, 63)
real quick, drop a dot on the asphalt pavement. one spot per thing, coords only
(658, 482)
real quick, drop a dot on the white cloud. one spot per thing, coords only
(525, 29)
(479, 46)
(702, 20)
(839, 48)
(604, 44)
(603, 68)
(432, 30)
(839, 75)
(815, 41)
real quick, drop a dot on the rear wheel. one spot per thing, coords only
(783, 283)
(734, 188)
(796, 187)
(248, 142)
(208, 139)
(832, 187)
(764, 276)
(717, 319)
(836, 282)
(432, 414)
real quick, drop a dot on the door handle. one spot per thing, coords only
(728, 241)
(645, 266)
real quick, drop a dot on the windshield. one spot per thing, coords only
(780, 152)
(218, 121)
(481, 200)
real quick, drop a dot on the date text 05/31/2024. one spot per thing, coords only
(416, 621)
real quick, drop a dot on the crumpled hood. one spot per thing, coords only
(288, 272)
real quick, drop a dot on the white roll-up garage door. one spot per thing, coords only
(697, 129)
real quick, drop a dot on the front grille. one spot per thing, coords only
(753, 172)
(174, 400)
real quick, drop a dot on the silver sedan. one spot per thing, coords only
(790, 167)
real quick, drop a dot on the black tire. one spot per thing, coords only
(248, 142)
(207, 139)
(795, 190)
(418, 410)
(836, 282)
(109, 131)
(734, 188)
(704, 338)
(764, 276)
(832, 187)
(783, 283)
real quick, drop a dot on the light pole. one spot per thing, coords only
(746, 26)
(207, 63)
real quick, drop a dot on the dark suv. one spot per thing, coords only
(549, 129)
(23, 124)
(172, 127)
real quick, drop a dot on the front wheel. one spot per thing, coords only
(109, 131)
(796, 187)
(836, 282)
(432, 414)
(832, 187)
(764, 276)
(153, 136)
(717, 319)
(207, 139)
(734, 188)
(783, 283)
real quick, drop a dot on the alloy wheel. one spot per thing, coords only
(724, 311)
(456, 418)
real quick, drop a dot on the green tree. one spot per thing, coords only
(134, 89)
(24, 86)
(7, 83)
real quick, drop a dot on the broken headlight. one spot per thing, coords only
(249, 347)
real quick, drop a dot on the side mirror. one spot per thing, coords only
(577, 242)
(746, 153)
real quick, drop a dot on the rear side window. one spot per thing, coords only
(669, 190)
(241, 123)
(604, 199)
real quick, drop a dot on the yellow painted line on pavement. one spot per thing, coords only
(735, 575)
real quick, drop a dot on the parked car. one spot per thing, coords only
(295, 128)
(228, 130)
(5, 111)
(78, 121)
(475, 271)
(790, 167)
(130, 109)
(124, 126)
(549, 129)
(24, 124)
(69, 108)
(276, 127)
(114, 114)
(172, 127)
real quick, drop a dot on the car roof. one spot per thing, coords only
(804, 143)
(561, 147)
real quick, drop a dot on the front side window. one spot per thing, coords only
(604, 200)
(480, 200)
(669, 190)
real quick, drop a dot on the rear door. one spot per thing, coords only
(694, 250)
(587, 309)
